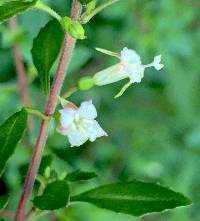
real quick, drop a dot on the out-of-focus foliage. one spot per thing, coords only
(154, 128)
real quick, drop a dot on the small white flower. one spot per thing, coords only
(130, 66)
(79, 124)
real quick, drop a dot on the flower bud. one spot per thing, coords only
(85, 83)
(74, 28)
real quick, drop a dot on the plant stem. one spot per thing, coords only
(67, 49)
(41, 6)
(21, 72)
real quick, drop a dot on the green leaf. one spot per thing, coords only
(12, 8)
(3, 202)
(135, 198)
(46, 47)
(7, 70)
(11, 132)
(80, 175)
(85, 2)
(55, 196)
(69, 154)
(2, 219)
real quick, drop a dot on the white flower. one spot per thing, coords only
(130, 66)
(79, 124)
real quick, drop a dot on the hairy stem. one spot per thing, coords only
(65, 58)
(20, 70)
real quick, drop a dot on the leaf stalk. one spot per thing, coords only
(86, 17)
(41, 6)
(37, 113)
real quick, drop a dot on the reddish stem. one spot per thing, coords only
(65, 58)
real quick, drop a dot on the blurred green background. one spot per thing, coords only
(154, 128)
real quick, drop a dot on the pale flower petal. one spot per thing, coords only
(67, 117)
(156, 63)
(77, 137)
(129, 56)
(131, 65)
(62, 130)
(87, 110)
(95, 131)
(136, 74)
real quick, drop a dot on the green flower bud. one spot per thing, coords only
(74, 28)
(85, 83)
